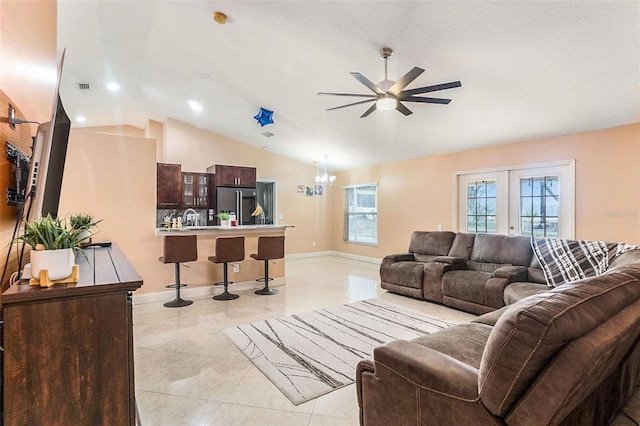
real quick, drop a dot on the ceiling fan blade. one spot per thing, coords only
(369, 111)
(426, 89)
(346, 94)
(426, 100)
(404, 81)
(403, 109)
(364, 80)
(348, 105)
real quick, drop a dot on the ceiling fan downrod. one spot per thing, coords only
(385, 53)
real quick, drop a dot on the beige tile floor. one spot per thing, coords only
(189, 373)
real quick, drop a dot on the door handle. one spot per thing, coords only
(238, 208)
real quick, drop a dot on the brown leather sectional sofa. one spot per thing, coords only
(567, 355)
(471, 272)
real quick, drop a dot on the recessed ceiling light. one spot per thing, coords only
(81, 118)
(113, 86)
(195, 106)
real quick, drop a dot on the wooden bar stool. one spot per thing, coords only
(178, 249)
(228, 249)
(269, 248)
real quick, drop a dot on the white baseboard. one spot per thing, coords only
(210, 290)
(367, 259)
(334, 253)
(309, 254)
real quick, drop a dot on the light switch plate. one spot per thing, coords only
(280, 216)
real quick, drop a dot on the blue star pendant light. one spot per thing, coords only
(264, 117)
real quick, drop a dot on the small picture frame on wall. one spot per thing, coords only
(309, 191)
(317, 190)
(302, 189)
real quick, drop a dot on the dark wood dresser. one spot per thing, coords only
(68, 349)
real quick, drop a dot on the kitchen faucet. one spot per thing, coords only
(195, 215)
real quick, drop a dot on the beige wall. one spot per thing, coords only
(418, 194)
(113, 178)
(124, 130)
(155, 130)
(27, 81)
(28, 56)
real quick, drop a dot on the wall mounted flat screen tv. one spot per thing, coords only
(48, 159)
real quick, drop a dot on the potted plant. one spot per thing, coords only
(224, 218)
(53, 244)
(83, 222)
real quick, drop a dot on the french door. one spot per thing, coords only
(535, 200)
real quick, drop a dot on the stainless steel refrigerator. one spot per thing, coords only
(240, 201)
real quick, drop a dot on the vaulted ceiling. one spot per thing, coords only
(529, 69)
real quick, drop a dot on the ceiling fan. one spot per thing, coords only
(390, 94)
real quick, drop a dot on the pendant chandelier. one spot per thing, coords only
(322, 176)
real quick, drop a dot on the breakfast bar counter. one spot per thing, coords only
(203, 272)
(221, 231)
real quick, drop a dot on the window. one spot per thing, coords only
(361, 214)
(539, 201)
(481, 206)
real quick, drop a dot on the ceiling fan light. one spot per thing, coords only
(386, 103)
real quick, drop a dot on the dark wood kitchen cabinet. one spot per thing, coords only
(196, 190)
(169, 186)
(235, 176)
(68, 349)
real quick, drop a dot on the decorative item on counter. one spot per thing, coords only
(233, 221)
(264, 117)
(224, 218)
(259, 212)
(54, 245)
(84, 222)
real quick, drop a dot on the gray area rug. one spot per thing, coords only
(310, 354)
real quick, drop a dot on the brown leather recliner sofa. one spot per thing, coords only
(471, 272)
(567, 355)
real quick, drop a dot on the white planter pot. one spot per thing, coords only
(225, 222)
(58, 263)
(85, 237)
